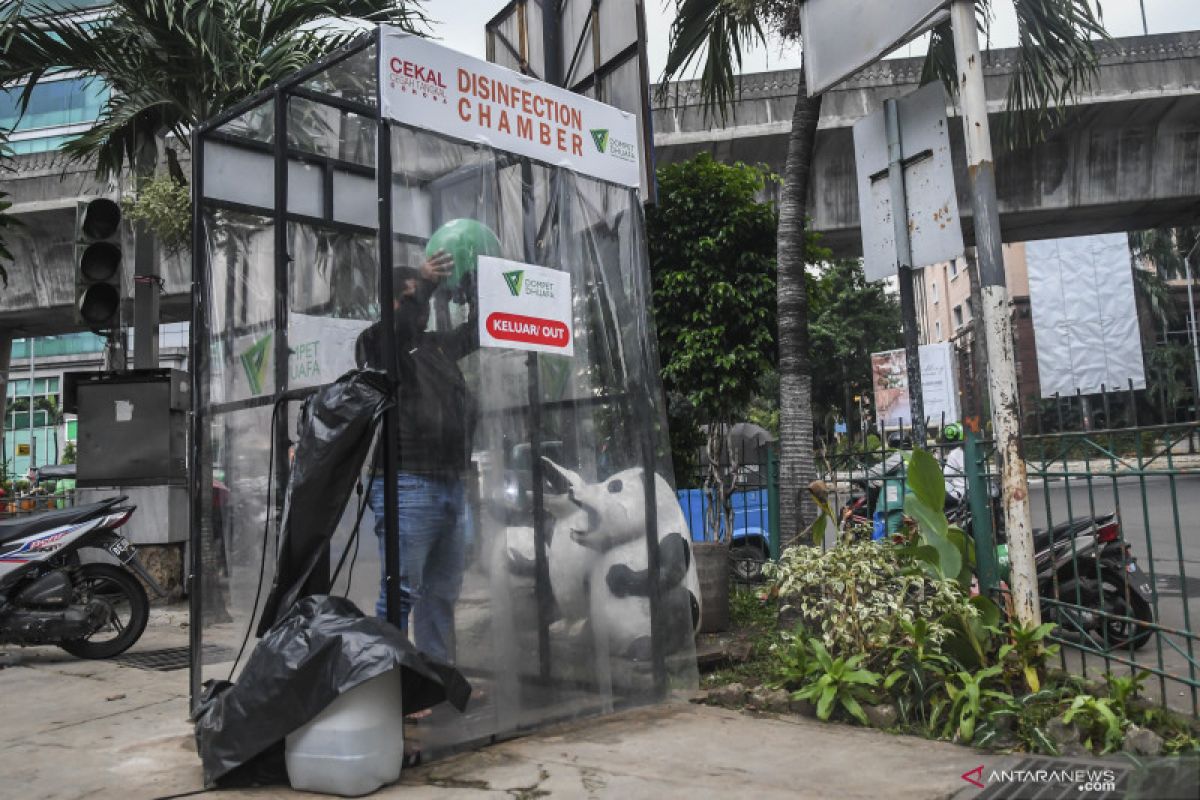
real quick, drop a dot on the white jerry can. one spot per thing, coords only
(355, 745)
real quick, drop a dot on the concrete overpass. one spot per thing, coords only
(1127, 158)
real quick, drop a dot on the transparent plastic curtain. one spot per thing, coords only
(564, 645)
(330, 288)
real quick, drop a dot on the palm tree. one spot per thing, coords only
(170, 64)
(1055, 60)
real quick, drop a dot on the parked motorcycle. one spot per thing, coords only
(48, 595)
(1083, 565)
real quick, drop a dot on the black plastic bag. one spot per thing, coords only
(335, 431)
(324, 646)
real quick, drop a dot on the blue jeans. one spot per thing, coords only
(432, 524)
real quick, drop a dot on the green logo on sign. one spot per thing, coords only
(254, 361)
(600, 137)
(514, 280)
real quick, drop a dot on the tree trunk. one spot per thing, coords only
(796, 467)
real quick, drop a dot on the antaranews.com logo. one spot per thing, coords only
(1082, 779)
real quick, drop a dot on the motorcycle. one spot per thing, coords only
(1083, 565)
(48, 596)
(1089, 581)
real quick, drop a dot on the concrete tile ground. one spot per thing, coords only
(74, 729)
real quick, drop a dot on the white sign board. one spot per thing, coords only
(939, 389)
(935, 232)
(438, 89)
(525, 307)
(1085, 320)
(320, 350)
(843, 36)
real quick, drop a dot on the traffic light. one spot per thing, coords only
(98, 264)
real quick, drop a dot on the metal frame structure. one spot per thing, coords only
(280, 216)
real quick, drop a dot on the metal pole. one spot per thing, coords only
(1002, 372)
(908, 305)
(146, 286)
(32, 398)
(1193, 331)
(1145, 27)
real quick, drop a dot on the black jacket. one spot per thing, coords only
(437, 412)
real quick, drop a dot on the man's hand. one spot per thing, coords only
(437, 267)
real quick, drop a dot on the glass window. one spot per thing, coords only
(937, 329)
(18, 388)
(958, 316)
(72, 430)
(933, 291)
(52, 104)
(70, 5)
(953, 269)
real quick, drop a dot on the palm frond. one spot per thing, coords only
(170, 64)
(712, 34)
(1056, 60)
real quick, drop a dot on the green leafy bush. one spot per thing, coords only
(165, 206)
(836, 683)
(854, 598)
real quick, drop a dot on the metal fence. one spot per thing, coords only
(12, 507)
(1113, 509)
(749, 523)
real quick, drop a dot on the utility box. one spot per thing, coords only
(132, 426)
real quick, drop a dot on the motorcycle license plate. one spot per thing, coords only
(121, 549)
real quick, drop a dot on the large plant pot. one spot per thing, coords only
(712, 569)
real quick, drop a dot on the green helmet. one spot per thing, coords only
(952, 432)
(465, 240)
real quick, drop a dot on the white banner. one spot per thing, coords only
(939, 389)
(524, 307)
(433, 87)
(1085, 320)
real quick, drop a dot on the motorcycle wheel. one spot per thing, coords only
(128, 605)
(746, 563)
(1123, 634)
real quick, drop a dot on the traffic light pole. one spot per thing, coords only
(997, 325)
(146, 281)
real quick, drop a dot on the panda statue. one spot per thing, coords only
(599, 571)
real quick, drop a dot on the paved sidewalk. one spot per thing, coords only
(77, 729)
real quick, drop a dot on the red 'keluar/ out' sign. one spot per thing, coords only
(531, 330)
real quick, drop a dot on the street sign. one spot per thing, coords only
(842, 37)
(932, 203)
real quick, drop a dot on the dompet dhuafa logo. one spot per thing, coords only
(514, 280)
(600, 137)
(614, 148)
(254, 362)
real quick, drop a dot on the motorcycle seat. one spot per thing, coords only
(21, 527)
(1042, 537)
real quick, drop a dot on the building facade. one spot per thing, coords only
(946, 312)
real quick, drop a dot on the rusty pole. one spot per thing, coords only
(997, 325)
(904, 270)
